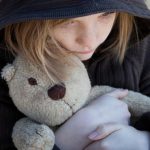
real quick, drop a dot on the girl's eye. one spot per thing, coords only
(106, 14)
(70, 23)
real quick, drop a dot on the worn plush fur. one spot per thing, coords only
(48, 104)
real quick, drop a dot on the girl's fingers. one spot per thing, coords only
(104, 130)
(119, 93)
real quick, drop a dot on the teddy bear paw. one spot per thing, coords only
(28, 135)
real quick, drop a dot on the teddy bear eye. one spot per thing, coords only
(32, 81)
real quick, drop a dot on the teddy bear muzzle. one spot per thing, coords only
(57, 92)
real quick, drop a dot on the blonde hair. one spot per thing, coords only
(125, 24)
(34, 40)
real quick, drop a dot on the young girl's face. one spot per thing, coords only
(84, 34)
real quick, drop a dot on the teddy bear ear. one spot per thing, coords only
(8, 72)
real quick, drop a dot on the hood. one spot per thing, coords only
(13, 11)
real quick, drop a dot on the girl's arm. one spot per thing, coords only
(138, 139)
(125, 138)
(73, 134)
(144, 122)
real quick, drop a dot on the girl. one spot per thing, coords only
(111, 37)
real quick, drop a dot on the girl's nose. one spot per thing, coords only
(88, 39)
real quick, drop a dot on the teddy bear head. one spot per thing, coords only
(42, 100)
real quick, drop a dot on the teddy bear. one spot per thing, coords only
(47, 104)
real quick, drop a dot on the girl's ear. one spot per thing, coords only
(8, 72)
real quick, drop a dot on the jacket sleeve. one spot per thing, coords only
(144, 122)
(144, 83)
(8, 112)
(55, 147)
(8, 116)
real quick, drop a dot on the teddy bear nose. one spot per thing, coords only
(57, 92)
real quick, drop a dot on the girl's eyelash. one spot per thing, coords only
(70, 22)
(107, 13)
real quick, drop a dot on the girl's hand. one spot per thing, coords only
(106, 109)
(109, 108)
(122, 138)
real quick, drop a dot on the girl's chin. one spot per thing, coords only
(84, 57)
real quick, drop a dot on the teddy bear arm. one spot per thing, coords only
(137, 102)
(98, 91)
(29, 135)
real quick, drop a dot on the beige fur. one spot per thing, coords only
(42, 111)
(147, 3)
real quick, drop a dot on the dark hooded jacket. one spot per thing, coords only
(132, 74)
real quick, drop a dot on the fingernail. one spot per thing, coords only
(93, 135)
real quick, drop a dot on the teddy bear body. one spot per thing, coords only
(51, 104)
